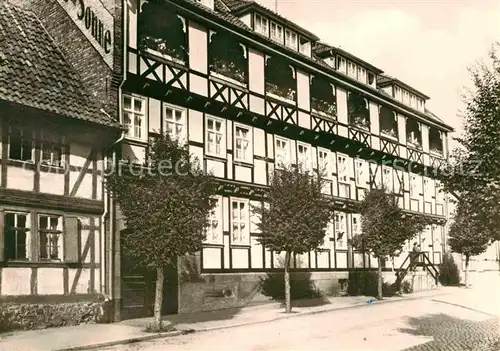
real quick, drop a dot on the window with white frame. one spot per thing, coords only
(362, 173)
(17, 238)
(304, 46)
(261, 24)
(276, 32)
(213, 232)
(291, 39)
(329, 233)
(413, 100)
(397, 93)
(50, 236)
(51, 148)
(387, 178)
(340, 231)
(215, 136)
(361, 74)
(341, 64)
(420, 104)
(20, 144)
(351, 69)
(175, 122)
(342, 169)
(356, 224)
(324, 165)
(243, 144)
(240, 221)
(134, 117)
(304, 156)
(282, 152)
(406, 97)
(414, 186)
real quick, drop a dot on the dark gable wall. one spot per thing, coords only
(101, 82)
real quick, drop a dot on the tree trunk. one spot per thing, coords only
(466, 269)
(380, 279)
(158, 298)
(288, 305)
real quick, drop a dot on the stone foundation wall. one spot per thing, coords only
(26, 316)
(209, 292)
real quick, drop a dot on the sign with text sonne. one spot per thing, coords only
(95, 22)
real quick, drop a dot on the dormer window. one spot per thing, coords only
(397, 93)
(276, 32)
(371, 79)
(341, 64)
(361, 74)
(413, 133)
(291, 39)
(357, 110)
(435, 141)
(305, 46)
(420, 104)
(261, 24)
(351, 69)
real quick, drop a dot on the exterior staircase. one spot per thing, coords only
(419, 270)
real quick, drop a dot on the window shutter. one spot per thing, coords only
(2, 249)
(71, 240)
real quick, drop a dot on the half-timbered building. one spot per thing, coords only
(248, 89)
(53, 136)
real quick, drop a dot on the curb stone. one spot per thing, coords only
(190, 330)
(123, 341)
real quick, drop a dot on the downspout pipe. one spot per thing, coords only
(112, 205)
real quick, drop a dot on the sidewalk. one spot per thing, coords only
(98, 336)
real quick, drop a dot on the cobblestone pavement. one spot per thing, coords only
(454, 334)
(469, 321)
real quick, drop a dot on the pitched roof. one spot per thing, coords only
(320, 49)
(243, 6)
(386, 79)
(35, 73)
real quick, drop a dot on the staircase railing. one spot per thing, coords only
(417, 259)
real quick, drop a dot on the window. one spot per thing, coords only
(397, 93)
(282, 152)
(240, 222)
(343, 170)
(406, 97)
(276, 32)
(175, 122)
(356, 225)
(16, 236)
(428, 193)
(51, 148)
(260, 25)
(304, 156)
(371, 79)
(215, 144)
(362, 175)
(340, 231)
(351, 69)
(341, 64)
(20, 144)
(50, 231)
(134, 117)
(291, 39)
(323, 163)
(387, 179)
(305, 46)
(362, 74)
(414, 186)
(214, 229)
(413, 101)
(420, 104)
(243, 144)
(439, 193)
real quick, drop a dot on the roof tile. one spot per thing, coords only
(34, 72)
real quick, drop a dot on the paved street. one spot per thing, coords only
(466, 321)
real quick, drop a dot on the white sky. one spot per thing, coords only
(426, 44)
